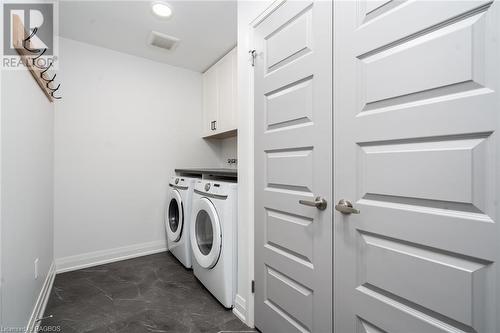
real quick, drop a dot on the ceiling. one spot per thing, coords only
(206, 29)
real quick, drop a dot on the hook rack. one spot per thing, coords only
(29, 57)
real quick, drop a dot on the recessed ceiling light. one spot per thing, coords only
(161, 9)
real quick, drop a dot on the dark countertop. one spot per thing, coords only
(222, 172)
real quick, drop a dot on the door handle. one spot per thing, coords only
(345, 207)
(318, 202)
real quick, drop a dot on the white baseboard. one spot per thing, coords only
(96, 258)
(43, 298)
(240, 308)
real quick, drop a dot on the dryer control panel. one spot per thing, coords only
(179, 182)
(215, 188)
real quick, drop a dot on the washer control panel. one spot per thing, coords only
(213, 187)
(179, 181)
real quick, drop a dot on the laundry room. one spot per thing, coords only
(134, 124)
(274, 166)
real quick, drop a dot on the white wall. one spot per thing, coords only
(27, 123)
(228, 149)
(247, 12)
(123, 126)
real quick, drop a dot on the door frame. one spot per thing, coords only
(244, 302)
(275, 4)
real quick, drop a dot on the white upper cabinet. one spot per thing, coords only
(210, 100)
(219, 98)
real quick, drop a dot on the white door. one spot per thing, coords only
(417, 152)
(293, 155)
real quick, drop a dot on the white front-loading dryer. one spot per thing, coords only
(178, 216)
(213, 237)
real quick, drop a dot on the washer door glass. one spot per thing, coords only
(204, 232)
(174, 216)
(206, 236)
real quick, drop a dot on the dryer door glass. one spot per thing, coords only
(204, 232)
(173, 215)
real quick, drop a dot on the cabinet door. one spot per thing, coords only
(233, 120)
(210, 102)
(225, 92)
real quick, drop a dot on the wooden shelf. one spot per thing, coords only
(223, 135)
(19, 34)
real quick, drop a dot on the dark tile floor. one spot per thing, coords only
(148, 294)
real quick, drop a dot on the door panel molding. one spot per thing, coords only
(293, 133)
(417, 152)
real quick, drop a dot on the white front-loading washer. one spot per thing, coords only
(178, 216)
(213, 238)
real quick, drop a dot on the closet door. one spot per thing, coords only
(210, 101)
(293, 151)
(417, 152)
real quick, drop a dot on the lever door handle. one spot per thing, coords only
(345, 207)
(318, 202)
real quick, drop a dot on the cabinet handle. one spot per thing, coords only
(215, 125)
(253, 54)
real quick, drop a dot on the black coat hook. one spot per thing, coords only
(48, 81)
(53, 89)
(30, 50)
(44, 71)
(33, 33)
(38, 56)
(55, 97)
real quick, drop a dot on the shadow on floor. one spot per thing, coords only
(148, 294)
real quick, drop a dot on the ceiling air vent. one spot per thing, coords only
(163, 41)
